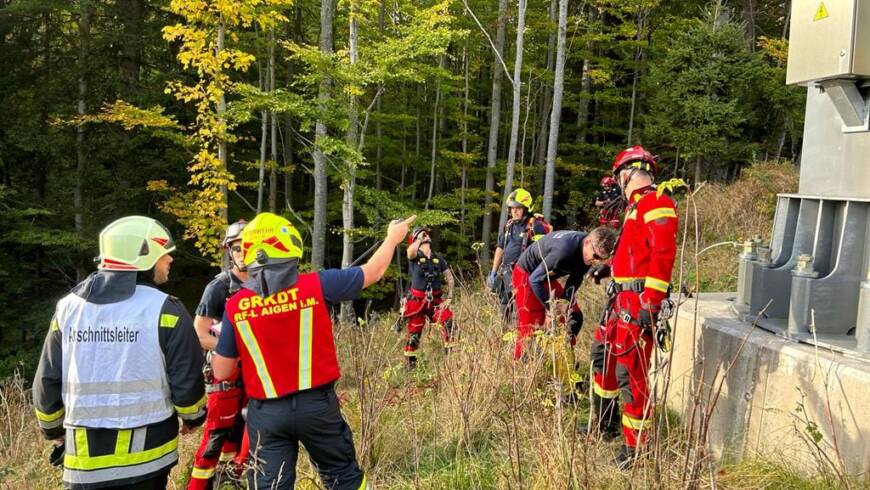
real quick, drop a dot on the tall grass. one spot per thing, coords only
(473, 418)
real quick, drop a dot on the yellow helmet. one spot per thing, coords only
(520, 197)
(134, 243)
(270, 238)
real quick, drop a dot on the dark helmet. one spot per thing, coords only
(417, 231)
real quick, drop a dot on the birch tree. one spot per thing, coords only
(318, 240)
(494, 121)
(556, 116)
(515, 115)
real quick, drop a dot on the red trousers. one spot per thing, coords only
(531, 313)
(621, 362)
(223, 433)
(417, 310)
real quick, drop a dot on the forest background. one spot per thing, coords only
(344, 115)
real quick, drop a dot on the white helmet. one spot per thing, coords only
(134, 243)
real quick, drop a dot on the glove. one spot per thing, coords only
(599, 272)
(491, 279)
(649, 315)
(56, 456)
(575, 323)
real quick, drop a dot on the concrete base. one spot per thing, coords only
(778, 396)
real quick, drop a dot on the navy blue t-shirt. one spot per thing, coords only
(337, 285)
(214, 297)
(556, 255)
(422, 265)
(511, 238)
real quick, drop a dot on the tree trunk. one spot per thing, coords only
(556, 117)
(132, 13)
(318, 245)
(515, 116)
(436, 116)
(638, 53)
(288, 162)
(464, 142)
(221, 110)
(273, 176)
(349, 184)
(749, 20)
(264, 140)
(494, 120)
(417, 142)
(378, 145)
(84, 53)
(547, 97)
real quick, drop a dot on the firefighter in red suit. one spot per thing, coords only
(641, 274)
(224, 431)
(609, 203)
(279, 325)
(426, 299)
(560, 254)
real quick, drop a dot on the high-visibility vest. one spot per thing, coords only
(114, 374)
(285, 340)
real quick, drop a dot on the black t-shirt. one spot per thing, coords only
(421, 266)
(510, 240)
(216, 293)
(555, 255)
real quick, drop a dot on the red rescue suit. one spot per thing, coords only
(285, 340)
(420, 307)
(641, 268)
(531, 313)
(223, 433)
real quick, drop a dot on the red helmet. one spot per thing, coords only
(636, 156)
(608, 181)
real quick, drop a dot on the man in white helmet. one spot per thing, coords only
(120, 365)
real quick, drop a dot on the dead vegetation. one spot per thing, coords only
(474, 419)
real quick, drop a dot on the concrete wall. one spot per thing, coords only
(774, 386)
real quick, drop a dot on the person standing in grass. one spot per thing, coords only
(641, 268)
(120, 365)
(278, 325)
(426, 299)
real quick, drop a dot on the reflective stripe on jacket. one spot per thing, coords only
(285, 340)
(647, 246)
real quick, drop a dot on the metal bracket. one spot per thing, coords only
(851, 105)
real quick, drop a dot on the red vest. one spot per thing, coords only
(285, 340)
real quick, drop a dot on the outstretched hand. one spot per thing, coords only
(398, 230)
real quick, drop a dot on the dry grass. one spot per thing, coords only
(735, 212)
(475, 419)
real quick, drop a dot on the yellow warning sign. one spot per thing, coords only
(821, 13)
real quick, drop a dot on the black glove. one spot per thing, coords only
(56, 456)
(649, 316)
(575, 322)
(599, 272)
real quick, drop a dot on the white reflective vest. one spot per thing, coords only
(114, 372)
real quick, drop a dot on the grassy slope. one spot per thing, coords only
(475, 419)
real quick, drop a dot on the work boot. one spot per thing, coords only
(625, 458)
(412, 363)
(605, 416)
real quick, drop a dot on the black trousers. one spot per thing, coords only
(504, 288)
(312, 417)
